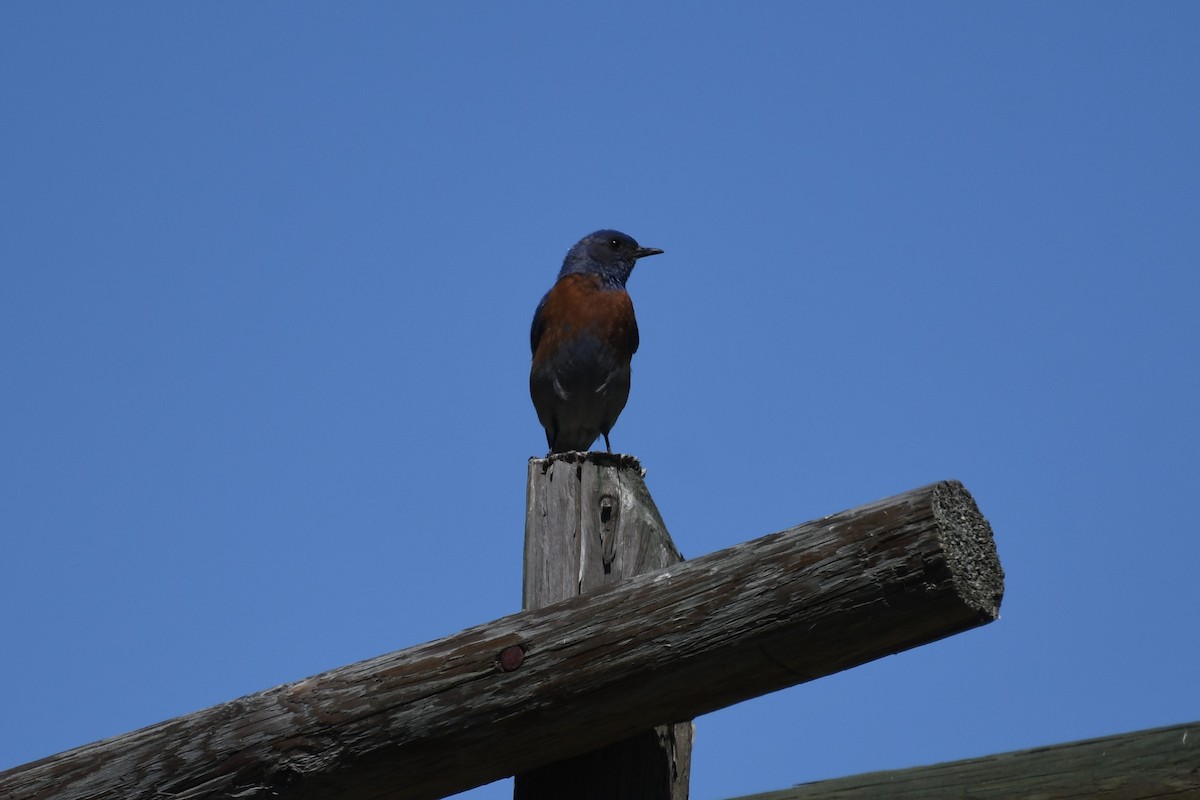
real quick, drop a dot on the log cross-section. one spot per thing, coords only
(538, 686)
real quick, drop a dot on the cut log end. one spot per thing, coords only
(969, 548)
(618, 460)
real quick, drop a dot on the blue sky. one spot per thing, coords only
(267, 270)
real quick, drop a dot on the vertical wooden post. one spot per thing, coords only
(589, 520)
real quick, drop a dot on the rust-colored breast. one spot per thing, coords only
(579, 306)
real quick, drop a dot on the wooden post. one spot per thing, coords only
(536, 687)
(590, 521)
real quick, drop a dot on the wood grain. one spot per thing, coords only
(665, 646)
(589, 522)
(1158, 764)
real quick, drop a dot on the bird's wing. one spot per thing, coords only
(538, 326)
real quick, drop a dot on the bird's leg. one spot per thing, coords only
(607, 446)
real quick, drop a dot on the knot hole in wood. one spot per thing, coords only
(609, 511)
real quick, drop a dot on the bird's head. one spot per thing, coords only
(609, 254)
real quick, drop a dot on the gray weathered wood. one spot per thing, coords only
(542, 685)
(592, 514)
(1147, 765)
(590, 521)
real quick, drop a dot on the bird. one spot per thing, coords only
(583, 336)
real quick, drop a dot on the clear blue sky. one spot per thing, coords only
(267, 274)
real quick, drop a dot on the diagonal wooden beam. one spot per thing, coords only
(1146, 765)
(545, 684)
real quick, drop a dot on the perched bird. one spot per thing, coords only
(583, 337)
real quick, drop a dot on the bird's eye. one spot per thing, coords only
(614, 244)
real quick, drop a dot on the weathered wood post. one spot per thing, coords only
(590, 521)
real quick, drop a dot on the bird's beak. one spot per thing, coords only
(642, 252)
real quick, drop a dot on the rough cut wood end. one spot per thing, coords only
(969, 547)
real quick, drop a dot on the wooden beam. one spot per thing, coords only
(590, 522)
(546, 684)
(1146, 765)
